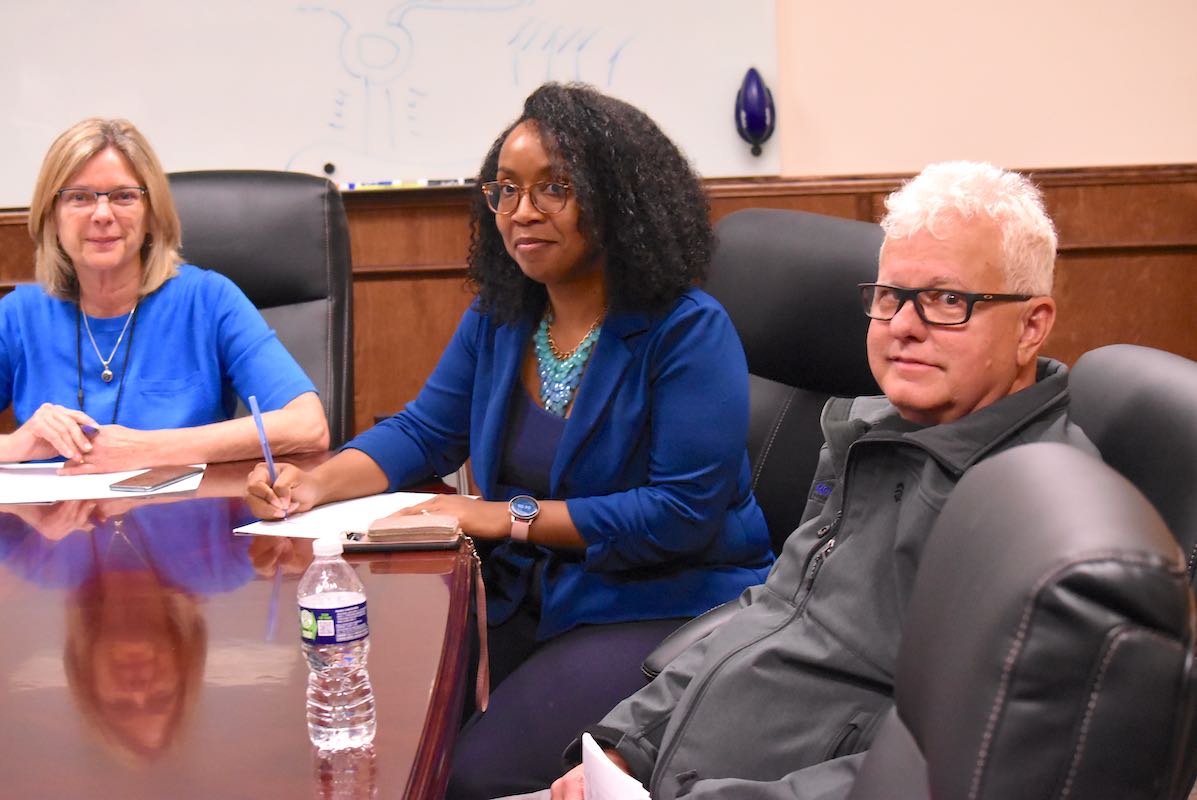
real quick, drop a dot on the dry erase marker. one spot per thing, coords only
(450, 182)
(360, 186)
(257, 412)
(410, 183)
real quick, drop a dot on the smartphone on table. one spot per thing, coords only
(154, 478)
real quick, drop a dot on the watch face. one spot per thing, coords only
(524, 507)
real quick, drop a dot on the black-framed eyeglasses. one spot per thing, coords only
(78, 199)
(503, 197)
(934, 306)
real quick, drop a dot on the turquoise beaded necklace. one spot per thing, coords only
(560, 373)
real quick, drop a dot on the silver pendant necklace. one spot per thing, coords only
(106, 375)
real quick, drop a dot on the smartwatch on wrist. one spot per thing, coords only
(523, 510)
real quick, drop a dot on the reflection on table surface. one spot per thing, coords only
(150, 652)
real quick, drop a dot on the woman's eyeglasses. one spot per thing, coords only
(503, 197)
(85, 199)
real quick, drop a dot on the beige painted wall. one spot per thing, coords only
(879, 87)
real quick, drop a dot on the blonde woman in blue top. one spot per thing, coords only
(602, 399)
(121, 356)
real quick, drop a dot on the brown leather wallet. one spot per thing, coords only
(406, 532)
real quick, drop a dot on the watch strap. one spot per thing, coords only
(519, 529)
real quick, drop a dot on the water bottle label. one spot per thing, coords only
(321, 626)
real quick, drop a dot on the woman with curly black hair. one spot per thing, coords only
(634, 192)
(603, 400)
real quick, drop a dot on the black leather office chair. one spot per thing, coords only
(283, 238)
(1047, 648)
(1139, 406)
(788, 280)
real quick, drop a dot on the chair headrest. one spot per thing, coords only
(1137, 404)
(788, 280)
(257, 226)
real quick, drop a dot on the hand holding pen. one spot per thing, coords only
(290, 492)
(274, 492)
(271, 471)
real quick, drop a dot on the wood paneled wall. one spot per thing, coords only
(1127, 267)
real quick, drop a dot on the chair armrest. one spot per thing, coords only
(681, 639)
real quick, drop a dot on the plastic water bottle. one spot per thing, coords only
(335, 633)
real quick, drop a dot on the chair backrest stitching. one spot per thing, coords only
(1000, 697)
(1016, 649)
(781, 415)
(1082, 736)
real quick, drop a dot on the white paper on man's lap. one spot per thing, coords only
(604, 780)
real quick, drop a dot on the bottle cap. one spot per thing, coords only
(327, 546)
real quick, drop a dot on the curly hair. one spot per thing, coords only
(639, 201)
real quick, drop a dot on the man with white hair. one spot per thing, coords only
(783, 699)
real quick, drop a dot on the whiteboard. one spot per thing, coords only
(379, 90)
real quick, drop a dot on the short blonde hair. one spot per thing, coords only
(957, 191)
(69, 153)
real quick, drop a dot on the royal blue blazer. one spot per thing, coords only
(652, 464)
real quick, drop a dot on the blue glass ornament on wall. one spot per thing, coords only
(755, 116)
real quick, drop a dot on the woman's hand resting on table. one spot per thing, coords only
(115, 448)
(478, 518)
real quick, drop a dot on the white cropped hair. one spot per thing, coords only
(957, 191)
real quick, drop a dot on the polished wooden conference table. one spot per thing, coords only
(148, 652)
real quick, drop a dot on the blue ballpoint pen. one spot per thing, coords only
(257, 412)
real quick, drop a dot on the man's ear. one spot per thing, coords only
(1037, 321)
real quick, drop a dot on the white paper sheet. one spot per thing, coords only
(602, 779)
(334, 518)
(41, 483)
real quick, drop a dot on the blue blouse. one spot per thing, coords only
(198, 344)
(532, 443)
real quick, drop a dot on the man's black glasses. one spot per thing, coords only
(934, 306)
